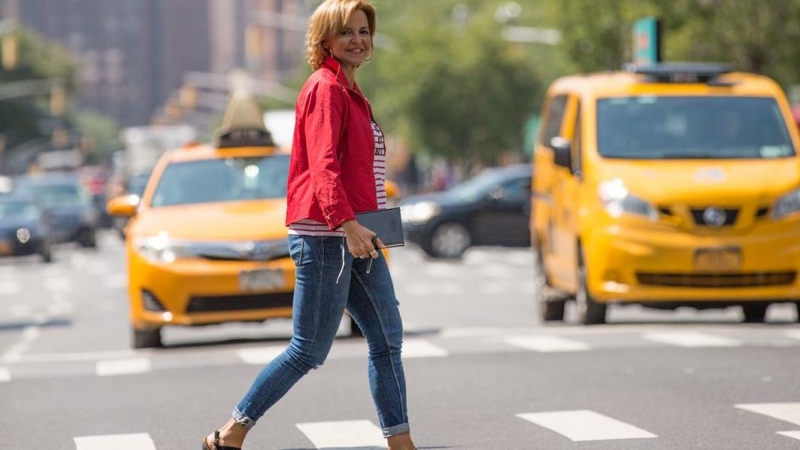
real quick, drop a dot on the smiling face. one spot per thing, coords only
(354, 44)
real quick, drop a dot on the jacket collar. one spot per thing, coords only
(333, 65)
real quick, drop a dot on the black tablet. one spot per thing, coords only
(386, 223)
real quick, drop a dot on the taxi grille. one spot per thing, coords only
(717, 280)
(730, 216)
(239, 302)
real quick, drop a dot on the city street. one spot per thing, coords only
(483, 372)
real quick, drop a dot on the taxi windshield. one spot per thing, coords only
(222, 180)
(697, 127)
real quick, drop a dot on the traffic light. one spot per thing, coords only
(10, 49)
(58, 100)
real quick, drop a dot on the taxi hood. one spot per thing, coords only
(722, 181)
(230, 221)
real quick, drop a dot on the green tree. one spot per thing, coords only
(25, 120)
(445, 80)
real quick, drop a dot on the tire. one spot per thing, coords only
(449, 240)
(590, 312)
(755, 312)
(88, 239)
(797, 307)
(551, 307)
(147, 338)
(46, 253)
(355, 330)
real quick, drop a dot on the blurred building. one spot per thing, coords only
(134, 54)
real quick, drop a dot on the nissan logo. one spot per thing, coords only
(715, 217)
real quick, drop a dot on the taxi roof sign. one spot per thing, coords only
(242, 124)
(684, 72)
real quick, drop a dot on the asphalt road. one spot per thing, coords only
(483, 373)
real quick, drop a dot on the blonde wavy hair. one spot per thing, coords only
(331, 18)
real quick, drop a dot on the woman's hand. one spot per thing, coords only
(359, 240)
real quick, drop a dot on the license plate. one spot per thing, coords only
(260, 280)
(717, 259)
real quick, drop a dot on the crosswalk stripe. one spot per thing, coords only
(692, 339)
(137, 441)
(418, 348)
(586, 425)
(5, 375)
(547, 344)
(343, 434)
(791, 434)
(259, 356)
(794, 334)
(123, 367)
(788, 412)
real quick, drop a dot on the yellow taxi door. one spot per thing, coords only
(566, 193)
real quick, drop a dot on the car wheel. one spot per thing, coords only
(88, 239)
(590, 312)
(797, 307)
(449, 240)
(150, 338)
(47, 253)
(551, 307)
(755, 312)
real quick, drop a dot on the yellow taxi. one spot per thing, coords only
(206, 242)
(666, 185)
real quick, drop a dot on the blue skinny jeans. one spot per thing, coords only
(329, 280)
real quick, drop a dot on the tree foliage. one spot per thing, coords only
(753, 35)
(447, 82)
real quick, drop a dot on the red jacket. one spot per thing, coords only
(330, 172)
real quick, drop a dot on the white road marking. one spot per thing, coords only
(450, 333)
(14, 353)
(138, 441)
(418, 348)
(418, 289)
(123, 367)
(10, 287)
(547, 344)
(343, 434)
(586, 425)
(261, 355)
(450, 288)
(794, 334)
(791, 434)
(5, 375)
(692, 339)
(494, 287)
(788, 412)
(71, 357)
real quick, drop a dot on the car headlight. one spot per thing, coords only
(419, 212)
(618, 201)
(789, 203)
(161, 249)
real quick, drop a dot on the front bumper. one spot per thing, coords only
(203, 292)
(639, 264)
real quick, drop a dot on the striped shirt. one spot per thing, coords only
(310, 227)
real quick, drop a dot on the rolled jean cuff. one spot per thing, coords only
(395, 430)
(241, 419)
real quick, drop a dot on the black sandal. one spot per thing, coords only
(216, 443)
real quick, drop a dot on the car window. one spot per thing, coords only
(222, 180)
(55, 193)
(650, 127)
(18, 210)
(518, 190)
(553, 119)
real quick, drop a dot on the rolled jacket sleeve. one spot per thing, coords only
(326, 111)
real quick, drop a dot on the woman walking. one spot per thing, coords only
(337, 170)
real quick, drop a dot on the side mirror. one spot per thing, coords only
(124, 205)
(561, 149)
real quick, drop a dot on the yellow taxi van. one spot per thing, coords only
(673, 184)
